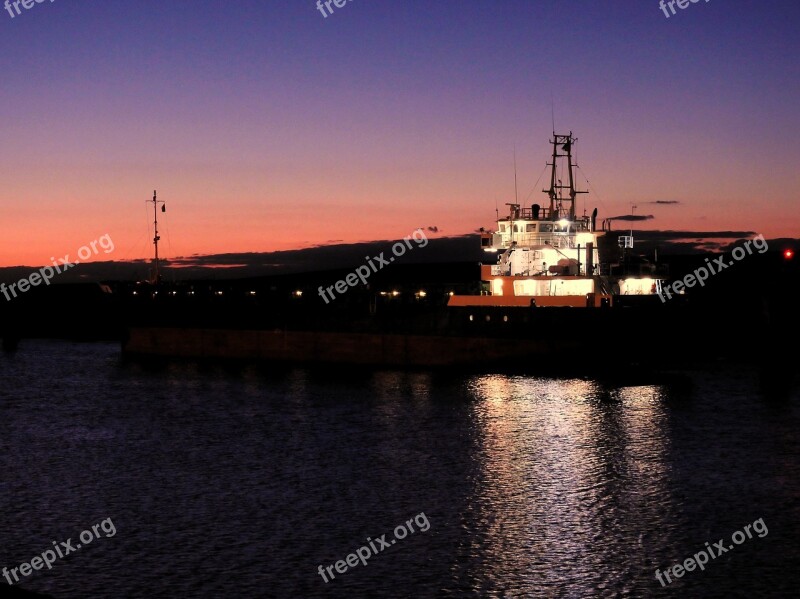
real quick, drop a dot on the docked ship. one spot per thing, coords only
(549, 257)
(552, 287)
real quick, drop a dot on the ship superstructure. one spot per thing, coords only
(548, 256)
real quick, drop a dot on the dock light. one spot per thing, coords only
(298, 293)
(422, 293)
(788, 254)
(395, 293)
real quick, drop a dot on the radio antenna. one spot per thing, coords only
(516, 194)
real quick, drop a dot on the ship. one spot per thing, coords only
(552, 286)
(549, 257)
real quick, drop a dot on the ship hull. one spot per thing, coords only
(468, 336)
(367, 349)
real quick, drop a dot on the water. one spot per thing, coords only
(242, 482)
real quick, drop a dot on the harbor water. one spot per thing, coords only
(250, 481)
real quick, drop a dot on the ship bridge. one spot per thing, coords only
(537, 241)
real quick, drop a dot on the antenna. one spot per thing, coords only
(516, 195)
(157, 275)
(555, 193)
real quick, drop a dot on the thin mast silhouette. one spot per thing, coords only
(157, 275)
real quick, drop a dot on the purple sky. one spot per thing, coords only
(266, 126)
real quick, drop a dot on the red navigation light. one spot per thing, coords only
(788, 254)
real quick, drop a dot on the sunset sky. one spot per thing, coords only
(265, 126)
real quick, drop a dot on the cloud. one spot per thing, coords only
(663, 202)
(633, 217)
(685, 242)
(464, 249)
(669, 234)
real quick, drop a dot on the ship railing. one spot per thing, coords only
(499, 270)
(635, 270)
(559, 240)
(580, 223)
(546, 214)
(530, 214)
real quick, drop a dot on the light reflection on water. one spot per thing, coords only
(565, 466)
(242, 481)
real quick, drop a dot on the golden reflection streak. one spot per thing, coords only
(564, 465)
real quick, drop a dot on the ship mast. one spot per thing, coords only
(157, 272)
(565, 142)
